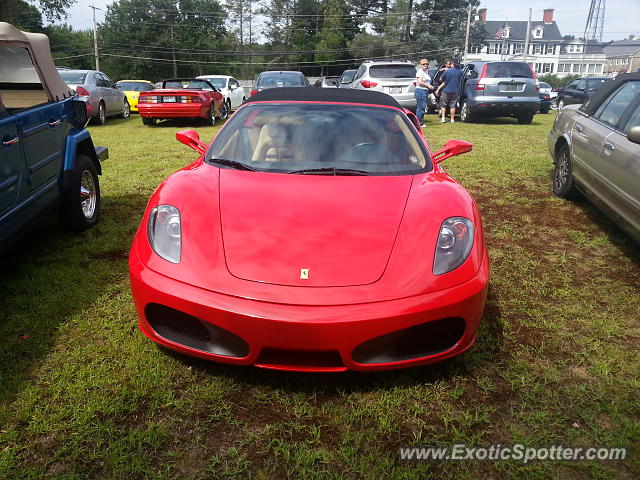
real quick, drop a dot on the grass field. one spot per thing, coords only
(83, 394)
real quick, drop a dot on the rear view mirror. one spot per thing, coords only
(451, 149)
(191, 139)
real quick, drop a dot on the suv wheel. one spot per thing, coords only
(563, 185)
(211, 120)
(81, 201)
(225, 108)
(525, 118)
(465, 113)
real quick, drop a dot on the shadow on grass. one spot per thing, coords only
(48, 276)
(487, 348)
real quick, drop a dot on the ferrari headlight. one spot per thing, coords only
(454, 244)
(165, 232)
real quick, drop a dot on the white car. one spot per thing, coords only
(229, 87)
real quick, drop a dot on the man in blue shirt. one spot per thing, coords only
(450, 89)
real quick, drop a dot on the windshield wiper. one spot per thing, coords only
(233, 164)
(329, 171)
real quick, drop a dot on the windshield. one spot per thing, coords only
(508, 70)
(392, 71)
(348, 75)
(285, 79)
(218, 82)
(73, 78)
(135, 86)
(323, 139)
(594, 84)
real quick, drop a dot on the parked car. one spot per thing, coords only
(596, 151)
(577, 91)
(275, 79)
(132, 89)
(257, 278)
(346, 78)
(497, 89)
(229, 87)
(183, 98)
(327, 82)
(396, 78)
(48, 159)
(103, 96)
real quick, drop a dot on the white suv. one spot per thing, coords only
(393, 77)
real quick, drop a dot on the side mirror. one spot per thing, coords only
(633, 135)
(233, 86)
(451, 149)
(191, 139)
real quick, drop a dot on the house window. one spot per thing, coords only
(547, 68)
(550, 49)
(579, 68)
(592, 68)
(537, 49)
(537, 33)
(476, 48)
(493, 47)
(518, 48)
(564, 67)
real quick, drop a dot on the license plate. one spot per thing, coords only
(510, 87)
(395, 89)
(169, 99)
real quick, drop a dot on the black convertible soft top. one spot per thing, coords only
(312, 94)
(591, 105)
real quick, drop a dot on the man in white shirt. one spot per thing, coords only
(423, 86)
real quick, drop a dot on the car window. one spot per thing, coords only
(573, 84)
(73, 77)
(199, 85)
(135, 86)
(359, 72)
(284, 138)
(594, 84)
(100, 80)
(392, 71)
(508, 70)
(287, 79)
(611, 110)
(581, 85)
(544, 85)
(108, 82)
(19, 78)
(218, 82)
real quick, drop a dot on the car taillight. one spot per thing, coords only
(148, 99)
(82, 92)
(535, 77)
(368, 83)
(480, 84)
(253, 92)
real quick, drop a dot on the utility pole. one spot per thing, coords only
(526, 38)
(95, 36)
(173, 54)
(466, 37)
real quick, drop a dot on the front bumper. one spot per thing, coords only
(315, 338)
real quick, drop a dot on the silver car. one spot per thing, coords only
(105, 98)
(596, 151)
(396, 78)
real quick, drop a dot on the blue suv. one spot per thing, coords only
(47, 158)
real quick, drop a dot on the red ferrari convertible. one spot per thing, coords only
(317, 232)
(182, 98)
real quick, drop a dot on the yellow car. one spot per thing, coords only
(132, 89)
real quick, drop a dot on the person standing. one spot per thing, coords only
(450, 86)
(423, 86)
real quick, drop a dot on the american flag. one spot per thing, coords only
(502, 31)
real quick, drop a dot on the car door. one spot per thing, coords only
(235, 93)
(11, 155)
(113, 97)
(603, 157)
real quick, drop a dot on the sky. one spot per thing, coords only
(621, 16)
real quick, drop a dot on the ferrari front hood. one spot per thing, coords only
(310, 230)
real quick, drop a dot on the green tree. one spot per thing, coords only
(21, 15)
(332, 39)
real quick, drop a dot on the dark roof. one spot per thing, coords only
(624, 47)
(310, 94)
(593, 46)
(518, 31)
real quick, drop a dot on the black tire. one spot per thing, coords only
(126, 109)
(563, 185)
(80, 207)
(225, 109)
(148, 121)
(101, 115)
(211, 119)
(554, 103)
(544, 110)
(465, 113)
(525, 118)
